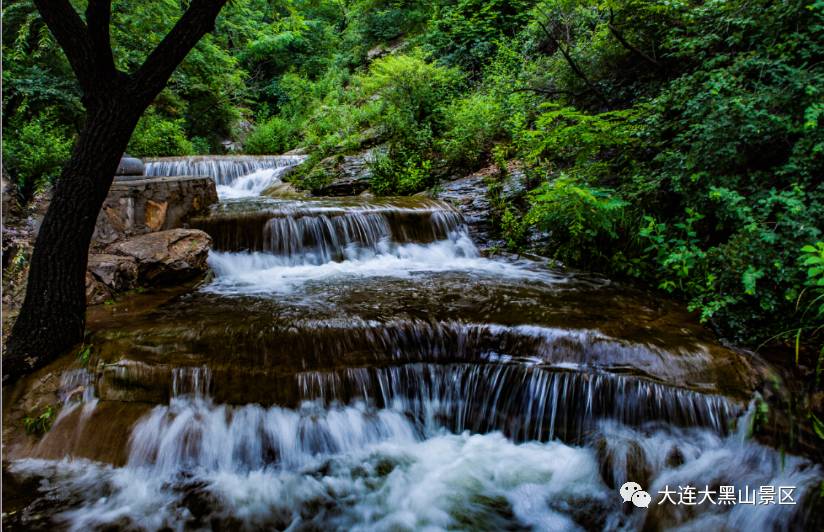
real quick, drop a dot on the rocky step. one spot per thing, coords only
(291, 228)
(143, 358)
(163, 258)
(525, 402)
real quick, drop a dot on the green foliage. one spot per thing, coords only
(36, 151)
(564, 136)
(812, 258)
(576, 215)
(389, 176)
(705, 120)
(472, 123)
(39, 424)
(157, 136)
(276, 135)
(84, 355)
(466, 32)
(410, 91)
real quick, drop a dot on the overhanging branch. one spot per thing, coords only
(72, 36)
(98, 20)
(570, 61)
(198, 20)
(626, 44)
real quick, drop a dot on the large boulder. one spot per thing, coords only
(154, 259)
(166, 257)
(148, 204)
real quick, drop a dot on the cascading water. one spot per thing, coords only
(359, 365)
(235, 176)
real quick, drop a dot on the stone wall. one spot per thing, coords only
(144, 205)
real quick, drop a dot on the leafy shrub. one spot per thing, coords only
(157, 136)
(410, 92)
(276, 135)
(576, 215)
(466, 32)
(472, 123)
(395, 175)
(705, 124)
(201, 146)
(41, 423)
(35, 153)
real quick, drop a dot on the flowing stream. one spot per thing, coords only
(235, 176)
(359, 364)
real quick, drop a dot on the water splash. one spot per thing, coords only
(77, 390)
(198, 465)
(252, 184)
(76, 386)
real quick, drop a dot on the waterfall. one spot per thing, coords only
(235, 176)
(195, 381)
(76, 385)
(197, 464)
(358, 364)
(224, 169)
(294, 232)
(525, 403)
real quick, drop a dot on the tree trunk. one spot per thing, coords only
(53, 314)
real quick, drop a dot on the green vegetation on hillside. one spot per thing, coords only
(677, 143)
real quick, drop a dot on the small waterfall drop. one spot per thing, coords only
(235, 176)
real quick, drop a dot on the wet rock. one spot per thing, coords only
(96, 291)
(389, 48)
(155, 259)
(343, 175)
(147, 204)
(675, 458)
(161, 258)
(283, 190)
(297, 152)
(117, 272)
(470, 196)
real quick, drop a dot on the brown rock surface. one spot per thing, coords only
(140, 206)
(160, 258)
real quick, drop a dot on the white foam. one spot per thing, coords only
(256, 273)
(251, 184)
(399, 482)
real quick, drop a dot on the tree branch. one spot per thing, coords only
(98, 20)
(571, 62)
(72, 36)
(548, 92)
(626, 44)
(153, 74)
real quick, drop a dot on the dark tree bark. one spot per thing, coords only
(53, 316)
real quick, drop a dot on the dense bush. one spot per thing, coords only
(157, 136)
(35, 152)
(472, 123)
(273, 136)
(718, 165)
